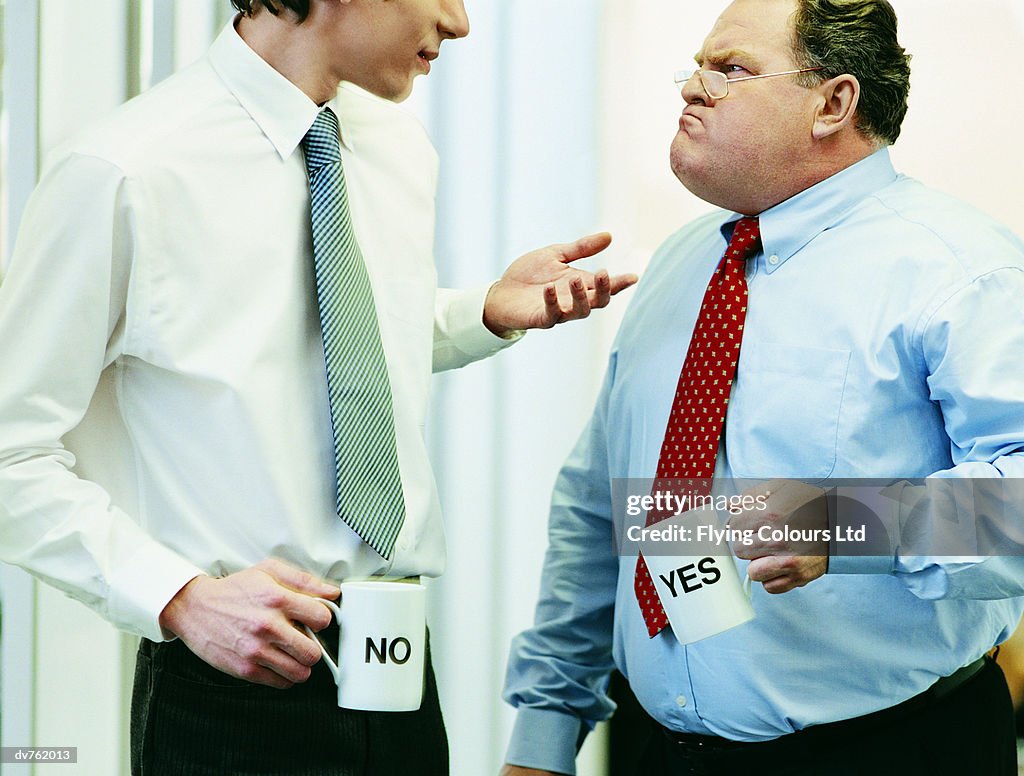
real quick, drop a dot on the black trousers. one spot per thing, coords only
(189, 719)
(969, 732)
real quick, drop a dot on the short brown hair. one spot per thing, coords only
(857, 37)
(299, 7)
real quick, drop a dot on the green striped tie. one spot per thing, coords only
(369, 485)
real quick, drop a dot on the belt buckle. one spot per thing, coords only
(698, 757)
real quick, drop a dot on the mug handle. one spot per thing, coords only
(747, 586)
(331, 664)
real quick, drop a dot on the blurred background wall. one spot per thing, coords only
(552, 119)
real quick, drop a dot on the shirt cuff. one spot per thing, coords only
(861, 564)
(544, 739)
(144, 585)
(870, 509)
(466, 324)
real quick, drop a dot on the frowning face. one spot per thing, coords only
(746, 151)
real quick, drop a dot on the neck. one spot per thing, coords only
(812, 169)
(293, 49)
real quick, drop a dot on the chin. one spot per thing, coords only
(684, 166)
(393, 92)
(683, 156)
(403, 92)
(699, 185)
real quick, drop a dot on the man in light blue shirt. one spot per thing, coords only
(883, 340)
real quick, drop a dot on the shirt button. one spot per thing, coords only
(773, 259)
(681, 701)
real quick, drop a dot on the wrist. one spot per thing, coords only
(174, 611)
(490, 321)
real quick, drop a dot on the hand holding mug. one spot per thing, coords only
(790, 545)
(242, 624)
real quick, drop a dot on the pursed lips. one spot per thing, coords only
(688, 114)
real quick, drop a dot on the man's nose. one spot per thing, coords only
(455, 20)
(694, 93)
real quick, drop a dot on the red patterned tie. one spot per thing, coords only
(698, 410)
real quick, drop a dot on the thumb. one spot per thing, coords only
(585, 246)
(622, 282)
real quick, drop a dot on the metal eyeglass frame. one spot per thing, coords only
(718, 78)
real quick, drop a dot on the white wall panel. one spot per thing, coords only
(512, 111)
(961, 132)
(82, 65)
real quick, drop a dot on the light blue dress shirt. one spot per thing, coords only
(884, 339)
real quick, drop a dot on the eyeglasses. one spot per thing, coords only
(716, 83)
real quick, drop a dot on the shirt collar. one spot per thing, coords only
(790, 225)
(280, 109)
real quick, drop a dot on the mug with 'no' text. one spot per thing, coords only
(381, 645)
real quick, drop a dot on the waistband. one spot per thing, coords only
(700, 746)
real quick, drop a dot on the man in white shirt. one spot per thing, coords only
(160, 320)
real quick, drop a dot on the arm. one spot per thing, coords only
(558, 670)
(64, 322)
(971, 345)
(959, 533)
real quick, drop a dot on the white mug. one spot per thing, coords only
(702, 594)
(700, 590)
(381, 645)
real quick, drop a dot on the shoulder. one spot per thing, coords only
(156, 124)
(945, 233)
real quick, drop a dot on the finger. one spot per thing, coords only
(602, 290)
(780, 585)
(766, 568)
(297, 579)
(280, 648)
(622, 282)
(552, 309)
(786, 572)
(258, 658)
(298, 646)
(747, 551)
(786, 582)
(585, 246)
(282, 663)
(265, 676)
(580, 304)
(305, 610)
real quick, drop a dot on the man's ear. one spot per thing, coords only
(840, 97)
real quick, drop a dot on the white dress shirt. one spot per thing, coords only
(163, 405)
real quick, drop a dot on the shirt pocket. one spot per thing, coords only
(783, 418)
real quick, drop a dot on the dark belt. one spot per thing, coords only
(701, 749)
